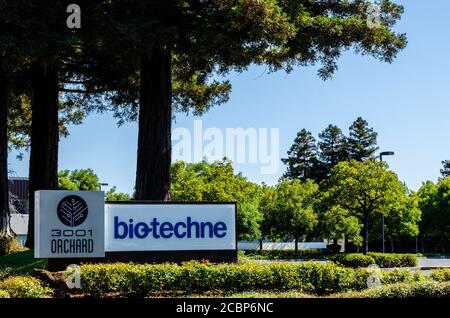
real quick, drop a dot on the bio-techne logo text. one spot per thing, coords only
(156, 229)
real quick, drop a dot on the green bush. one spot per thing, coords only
(24, 287)
(9, 245)
(381, 259)
(285, 254)
(421, 289)
(194, 278)
(4, 294)
(441, 275)
(388, 260)
(352, 260)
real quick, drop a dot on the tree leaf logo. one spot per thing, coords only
(72, 210)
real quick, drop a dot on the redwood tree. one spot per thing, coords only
(193, 41)
(5, 229)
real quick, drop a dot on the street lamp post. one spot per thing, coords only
(384, 153)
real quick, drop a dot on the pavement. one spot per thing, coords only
(433, 262)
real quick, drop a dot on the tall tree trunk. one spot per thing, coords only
(366, 233)
(296, 246)
(5, 226)
(155, 120)
(346, 244)
(44, 136)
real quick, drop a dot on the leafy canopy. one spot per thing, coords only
(209, 39)
(288, 209)
(364, 187)
(217, 181)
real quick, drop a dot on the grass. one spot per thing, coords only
(20, 263)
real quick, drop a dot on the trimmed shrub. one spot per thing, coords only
(422, 289)
(4, 294)
(285, 254)
(24, 287)
(387, 260)
(352, 260)
(441, 275)
(194, 278)
(355, 260)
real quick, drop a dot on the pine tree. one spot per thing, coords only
(362, 141)
(445, 171)
(332, 148)
(302, 157)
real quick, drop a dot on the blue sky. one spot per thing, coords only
(407, 103)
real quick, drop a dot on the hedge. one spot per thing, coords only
(4, 294)
(422, 289)
(381, 259)
(194, 277)
(285, 254)
(23, 287)
(352, 260)
(441, 275)
(388, 260)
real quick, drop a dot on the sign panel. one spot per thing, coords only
(170, 227)
(69, 224)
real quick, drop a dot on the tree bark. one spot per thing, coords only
(44, 136)
(366, 233)
(296, 246)
(5, 226)
(155, 120)
(346, 244)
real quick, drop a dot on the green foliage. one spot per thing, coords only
(383, 260)
(421, 289)
(335, 222)
(24, 287)
(364, 188)
(4, 294)
(9, 245)
(310, 160)
(193, 277)
(403, 217)
(286, 254)
(388, 260)
(435, 206)
(288, 209)
(302, 157)
(441, 275)
(362, 141)
(401, 276)
(78, 180)
(352, 260)
(113, 195)
(332, 148)
(281, 35)
(217, 181)
(445, 171)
